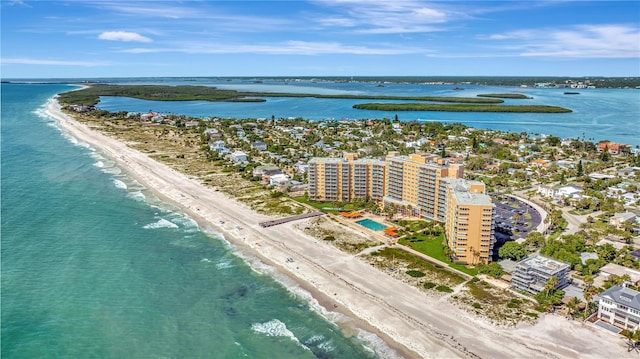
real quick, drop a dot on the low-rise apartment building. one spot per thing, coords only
(533, 272)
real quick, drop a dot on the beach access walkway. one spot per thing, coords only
(278, 221)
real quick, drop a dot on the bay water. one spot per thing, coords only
(597, 114)
(94, 266)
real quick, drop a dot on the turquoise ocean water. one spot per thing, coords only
(93, 266)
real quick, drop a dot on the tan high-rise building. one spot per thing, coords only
(416, 184)
(345, 179)
(469, 221)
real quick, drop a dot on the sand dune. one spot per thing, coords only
(413, 323)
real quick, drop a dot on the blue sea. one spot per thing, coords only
(598, 114)
(94, 266)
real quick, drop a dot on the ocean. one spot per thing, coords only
(93, 265)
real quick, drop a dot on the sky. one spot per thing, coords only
(91, 39)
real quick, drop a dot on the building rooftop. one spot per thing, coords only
(465, 193)
(623, 295)
(327, 160)
(545, 264)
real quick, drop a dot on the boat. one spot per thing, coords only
(458, 88)
(572, 93)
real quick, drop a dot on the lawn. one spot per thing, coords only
(433, 247)
(332, 207)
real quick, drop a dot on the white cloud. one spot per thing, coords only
(384, 17)
(123, 36)
(579, 41)
(23, 61)
(283, 48)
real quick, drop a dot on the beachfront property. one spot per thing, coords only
(345, 179)
(620, 306)
(418, 185)
(469, 224)
(533, 272)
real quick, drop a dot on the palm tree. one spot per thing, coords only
(572, 305)
(550, 284)
(588, 281)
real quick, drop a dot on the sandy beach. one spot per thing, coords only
(413, 323)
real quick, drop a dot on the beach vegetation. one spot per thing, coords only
(429, 285)
(444, 289)
(415, 273)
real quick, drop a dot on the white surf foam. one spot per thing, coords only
(162, 223)
(224, 264)
(137, 196)
(99, 164)
(119, 184)
(276, 328)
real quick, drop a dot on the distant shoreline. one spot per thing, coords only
(628, 82)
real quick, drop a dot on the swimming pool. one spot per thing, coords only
(371, 224)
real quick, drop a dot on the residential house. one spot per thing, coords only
(619, 218)
(613, 148)
(568, 191)
(615, 269)
(279, 180)
(259, 145)
(620, 306)
(533, 272)
(218, 146)
(239, 156)
(301, 167)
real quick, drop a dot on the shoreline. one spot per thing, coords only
(410, 322)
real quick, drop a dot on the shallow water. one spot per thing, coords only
(93, 265)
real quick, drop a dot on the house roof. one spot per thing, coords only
(623, 295)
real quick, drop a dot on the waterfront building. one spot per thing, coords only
(533, 272)
(620, 306)
(469, 225)
(416, 184)
(345, 179)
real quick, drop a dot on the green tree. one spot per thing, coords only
(493, 269)
(573, 305)
(605, 156)
(579, 169)
(513, 250)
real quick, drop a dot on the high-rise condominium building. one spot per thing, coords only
(416, 184)
(345, 179)
(469, 221)
(419, 185)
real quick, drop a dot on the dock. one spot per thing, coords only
(278, 221)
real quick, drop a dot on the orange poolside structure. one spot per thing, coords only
(391, 231)
(355, 214)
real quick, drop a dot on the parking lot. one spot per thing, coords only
(514, 219)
